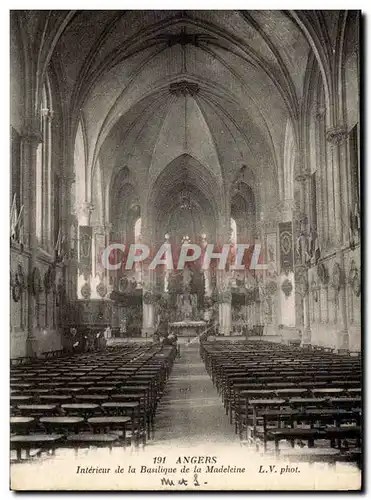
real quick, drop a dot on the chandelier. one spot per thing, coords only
(185, 199)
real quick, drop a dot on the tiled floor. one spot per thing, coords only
(191, 410)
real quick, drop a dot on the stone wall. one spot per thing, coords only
(325, 308)
(45, 328)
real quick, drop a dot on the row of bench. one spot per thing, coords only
(273, 392)
(99, 398)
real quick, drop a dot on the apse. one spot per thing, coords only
(183, 200)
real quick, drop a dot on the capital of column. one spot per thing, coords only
(260, 225)
(285, 205)
(71, 219)
(99, 229)
(68, 178)
(86, 208)
(225, 296)
(107, 228)
(320, 114)
(337, 135)
(300, 217)
(31, 136)
(302, 176)
(83, 211)
(47, 113)
(285, 209)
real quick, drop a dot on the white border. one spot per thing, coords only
(4, 184)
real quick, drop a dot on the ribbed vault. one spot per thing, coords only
(247, 67)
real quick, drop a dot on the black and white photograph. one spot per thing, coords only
(185, 215)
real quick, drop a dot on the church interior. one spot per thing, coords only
(185, 127)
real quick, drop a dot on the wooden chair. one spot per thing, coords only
(108, 424)
(87, 440)
(37, 442)
(62, 424)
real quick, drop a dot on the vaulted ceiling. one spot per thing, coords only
(247, 72)
(151, 86)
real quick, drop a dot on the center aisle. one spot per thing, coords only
(190, 411)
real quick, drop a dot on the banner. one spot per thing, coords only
(85, 248)
(100, 241)
(286, 249)
(272, 254)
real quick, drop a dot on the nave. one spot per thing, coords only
(229, 143)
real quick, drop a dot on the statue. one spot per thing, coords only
(187, 276)
(194, 301)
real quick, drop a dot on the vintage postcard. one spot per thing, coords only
(185, 226)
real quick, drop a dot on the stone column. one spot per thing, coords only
(107, 229)
(83, 217)
(70, 268)
(29, 144)
(261, 275)
(285, 302)
(148, 328)
(225, 300)
(98, 273)
(148, 321)
(47, 116)
(336, 137)
(223, 282)
(68, 224)
(83, 213)
(207, 277)
(301, 268)
(226, 318)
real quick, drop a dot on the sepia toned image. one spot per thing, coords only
(185, 250)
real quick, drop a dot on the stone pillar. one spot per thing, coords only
(167, 270)
(260, 275)
(225, 300)
(301, 267)
(207, 277)
(71, 261)
(98, 278)
(149, 320)
(208, 290)
(68, 224)
(223, 280)
(301, 278)
(83, 217)
(336, 137)
(225, 313)
(29, 143)
(84, 212)
(148, 328)
(288, 308)
(46, 213)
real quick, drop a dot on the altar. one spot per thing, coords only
(187, 328)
